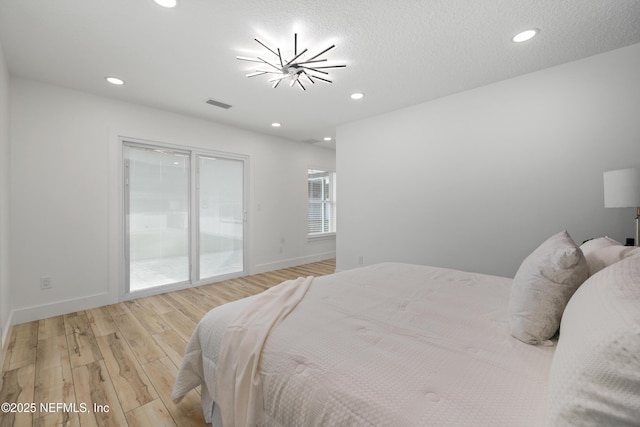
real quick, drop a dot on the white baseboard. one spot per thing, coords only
(291, 262)
(37, 312)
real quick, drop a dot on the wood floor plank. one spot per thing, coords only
(162, 374)
(194, 297)
(268, 281)
(117, 309)
(53, 380)
(152, 322)
(209, 299)
(58, 419)
(51, 327)
(156, 304)
(94, 388)
(152, 414)
(248, 286)
(172, 344)
(278, 276)
(129, 380)
(213, 297)
(185, 307)
(101, 321)
(76, 322)
(16, 386)
(103, 356)
(138, 338)
(180, 323)
(222, 291)
(83, 347)
(303, 271)
(21, 350)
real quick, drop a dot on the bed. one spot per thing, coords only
(389, 344)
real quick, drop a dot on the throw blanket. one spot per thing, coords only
(239, 387)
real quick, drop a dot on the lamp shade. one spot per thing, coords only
(622, 188)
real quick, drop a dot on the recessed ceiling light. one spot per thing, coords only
(166, 3)
(357, 95)
(525, 35)
(275, 125)
(327, 138)
(114, 80)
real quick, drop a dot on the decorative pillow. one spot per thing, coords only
(595, 374)
(599, 243)
(542, 287)
(604, 257)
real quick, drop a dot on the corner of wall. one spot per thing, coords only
(5, 307)
(5, 335)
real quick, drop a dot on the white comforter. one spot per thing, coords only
(390, 344)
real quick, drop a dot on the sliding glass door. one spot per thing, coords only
(221, 216)
(184, 216)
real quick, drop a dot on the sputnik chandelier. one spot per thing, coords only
(295, 68)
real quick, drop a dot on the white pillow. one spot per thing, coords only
(542, 287)
(595, 374)
(595, 244)
(604, 257)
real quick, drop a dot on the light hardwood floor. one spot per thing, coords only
(123, 356)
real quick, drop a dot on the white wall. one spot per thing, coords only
(4, 203)
(477, 180)
(64, 217)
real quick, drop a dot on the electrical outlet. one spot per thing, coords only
(360, 260)
(45, 282)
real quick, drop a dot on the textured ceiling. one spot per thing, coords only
(398, 53)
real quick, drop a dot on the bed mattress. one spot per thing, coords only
(387, 345)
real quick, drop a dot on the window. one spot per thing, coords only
(322, 203)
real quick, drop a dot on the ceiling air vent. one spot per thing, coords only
(218, 104)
